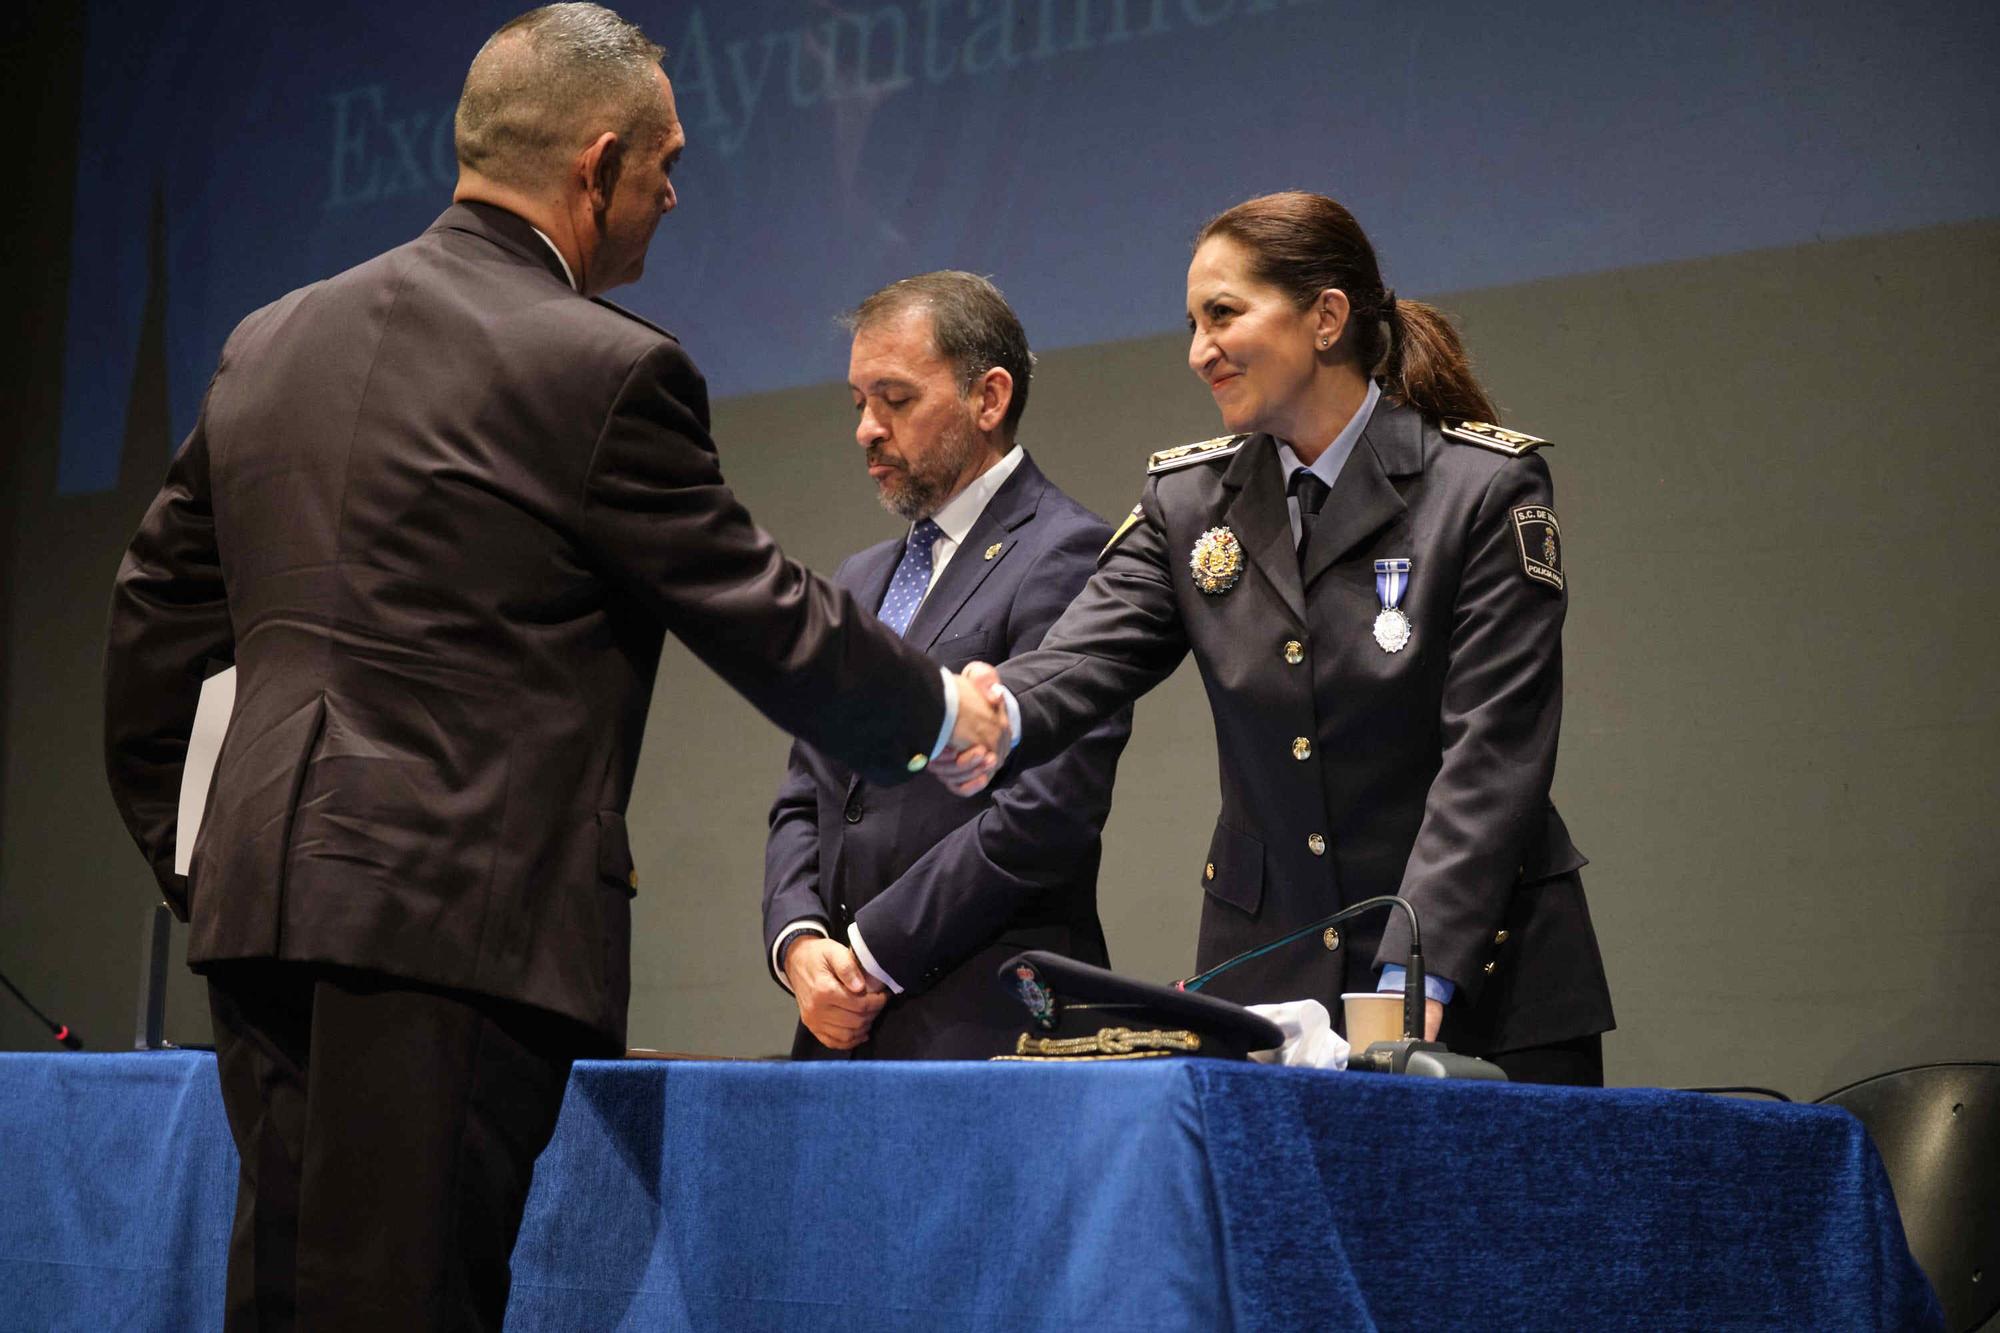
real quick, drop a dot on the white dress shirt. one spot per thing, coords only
(568, 276)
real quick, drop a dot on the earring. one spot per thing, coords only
(1325, 343)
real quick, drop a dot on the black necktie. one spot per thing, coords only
(1311, 494)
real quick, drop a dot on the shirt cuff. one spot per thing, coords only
(805, 925)
(950, 711)
(1435, 986)
(1013, 717)
(867, 960)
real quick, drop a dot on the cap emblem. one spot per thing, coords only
(1041, 1001)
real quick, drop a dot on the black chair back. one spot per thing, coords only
(1937, 1128)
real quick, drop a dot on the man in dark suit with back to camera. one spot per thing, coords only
(887, 912)
(440, 510)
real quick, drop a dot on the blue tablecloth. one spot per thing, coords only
(1146, 1195)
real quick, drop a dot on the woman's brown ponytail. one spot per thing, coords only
(1427, 368)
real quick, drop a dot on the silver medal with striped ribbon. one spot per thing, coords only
(1392, 627)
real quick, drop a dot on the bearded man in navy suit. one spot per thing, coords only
(887, 911)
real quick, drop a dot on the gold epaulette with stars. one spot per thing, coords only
(1222, 446)
(1497, 438)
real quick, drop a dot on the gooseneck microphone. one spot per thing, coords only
(1413, 976)
(1412, 1054)
(68, 1040)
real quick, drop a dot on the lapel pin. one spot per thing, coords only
(994, 549)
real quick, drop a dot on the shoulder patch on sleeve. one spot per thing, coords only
(1540, 540)
(1132, 520)
(1222, 446)
(1498, 438)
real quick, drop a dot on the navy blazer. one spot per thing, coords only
(946, 888)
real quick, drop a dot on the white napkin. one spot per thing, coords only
(1310, 1041)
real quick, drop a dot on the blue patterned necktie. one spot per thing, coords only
(913, 577)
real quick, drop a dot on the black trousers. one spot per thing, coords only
(387, 1134)
(1578, 1063)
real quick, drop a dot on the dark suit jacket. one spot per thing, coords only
(946, 889)
(1348, 771)
(439, 510)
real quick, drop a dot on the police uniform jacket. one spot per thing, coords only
(1349, 771)
(947, 888)
(440, 510)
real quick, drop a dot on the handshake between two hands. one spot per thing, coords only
(981, 737)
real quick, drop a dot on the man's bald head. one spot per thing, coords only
(547, 84)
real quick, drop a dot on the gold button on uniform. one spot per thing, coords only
(1317, 844)
(1208, 872)
(1489, 968)
(1499, 937)
(1295, 652)
(1301, 748)
(1332, 938)
(918, 762)
(632, 878)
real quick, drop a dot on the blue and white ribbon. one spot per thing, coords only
(1391, 578)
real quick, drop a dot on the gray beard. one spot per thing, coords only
(928, 485)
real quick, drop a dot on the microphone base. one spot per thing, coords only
(1424, 1059)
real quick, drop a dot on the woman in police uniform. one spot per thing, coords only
(1372, 583)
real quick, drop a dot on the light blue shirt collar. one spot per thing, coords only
(1334, 457)
(1327, 466)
